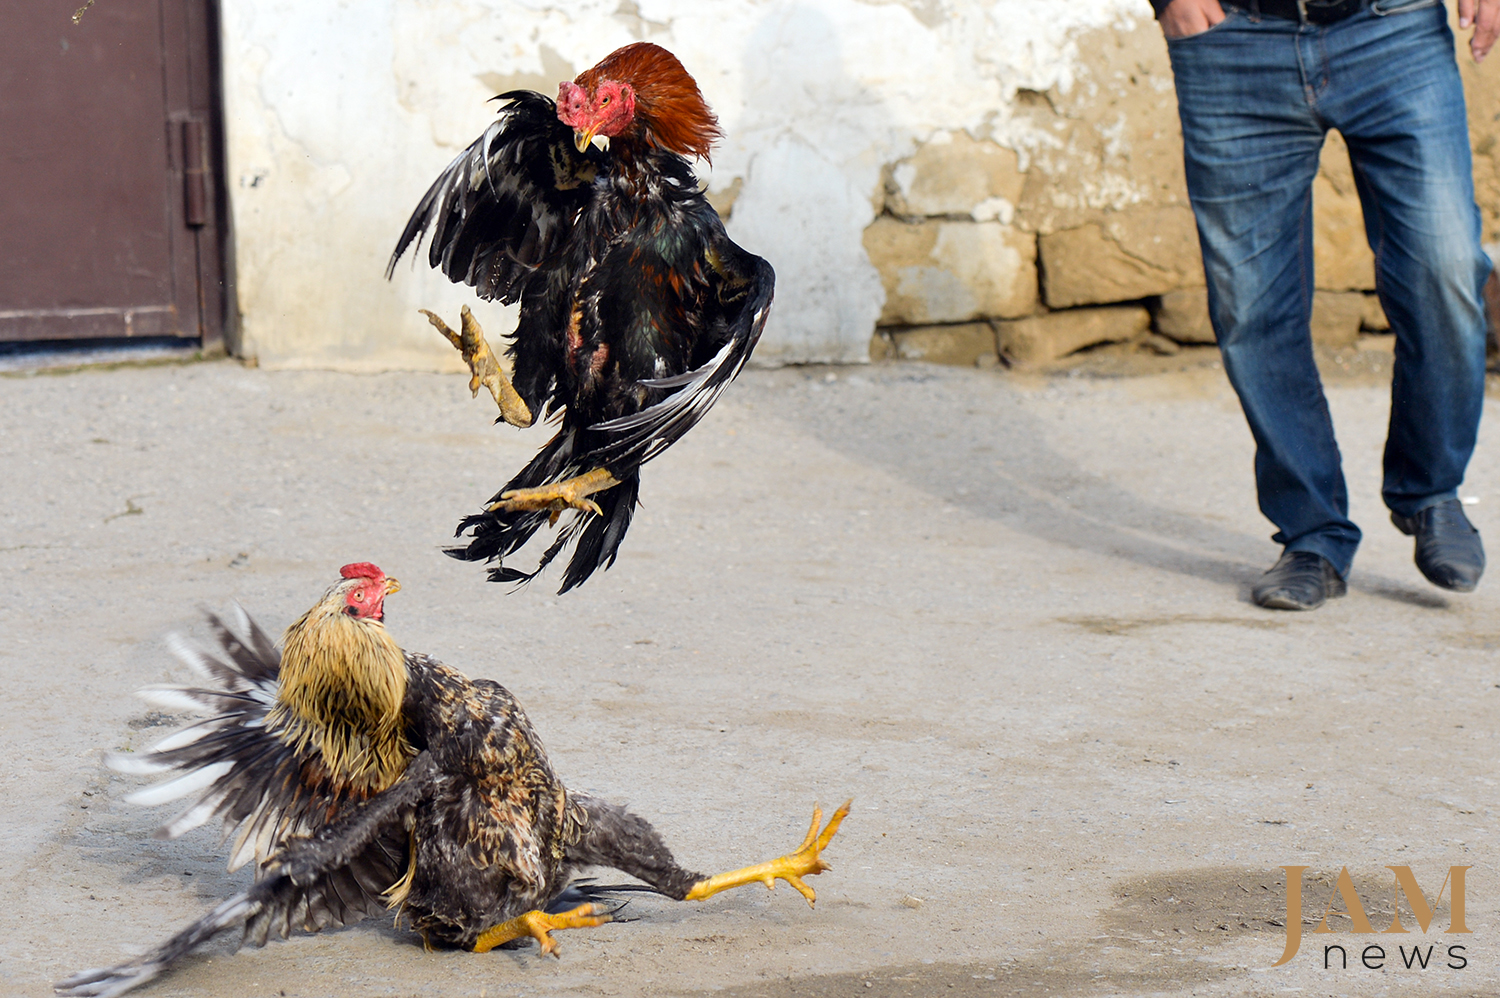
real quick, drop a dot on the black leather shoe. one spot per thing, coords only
(1449, 551)
(1300, 580)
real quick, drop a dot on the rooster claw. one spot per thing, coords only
(521, 501)
(539, 925)
(483, 367)
(806, 861)
(573, 493)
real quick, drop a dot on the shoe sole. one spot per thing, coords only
(1281, 601)
(1458, 587)
(1287, 603)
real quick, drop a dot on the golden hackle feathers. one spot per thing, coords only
(342, 684)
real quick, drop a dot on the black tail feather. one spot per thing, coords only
(332, 878)
(107, 983)
(599, 537)
(495, 535)
(604, 897)
(585, 890)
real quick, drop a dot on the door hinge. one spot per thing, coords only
(194, 172)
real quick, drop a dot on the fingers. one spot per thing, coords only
(1184, 18)
(525, 500)
(1486, 21)
(586, 916)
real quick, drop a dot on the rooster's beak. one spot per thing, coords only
(583, 138)
(392, 586)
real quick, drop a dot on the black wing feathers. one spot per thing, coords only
(507, 204)
(236, 772)
(637, 309)
(331, 879)
(741, 286)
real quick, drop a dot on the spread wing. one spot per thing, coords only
(242, 774)
(741, 286)
(507, 204)
(329, 879)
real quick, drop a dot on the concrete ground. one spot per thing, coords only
(1007, 615)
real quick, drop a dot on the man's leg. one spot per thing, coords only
(1251, 143)
(1408, 141)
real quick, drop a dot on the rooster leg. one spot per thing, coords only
(539, 926)
(792, 867)
(485, 368)
(571, 493)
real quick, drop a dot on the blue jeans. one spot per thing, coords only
(1256, 97)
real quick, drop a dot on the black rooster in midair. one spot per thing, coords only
(636, 307)
(360, 777)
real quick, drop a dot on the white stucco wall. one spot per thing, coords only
(340, 112)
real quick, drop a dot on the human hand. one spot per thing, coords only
(1185, 18)
(1486, 24)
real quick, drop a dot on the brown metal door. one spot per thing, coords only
(108, 157)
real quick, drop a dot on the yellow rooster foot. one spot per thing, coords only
(805, 862)
(539, 925)
(571, 493)
(484, 367)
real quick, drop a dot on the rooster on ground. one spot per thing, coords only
(636, 307)
(361, 777)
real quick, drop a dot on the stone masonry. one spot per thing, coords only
(996, 244)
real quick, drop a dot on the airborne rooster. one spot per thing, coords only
(636, 307)
(361, 777)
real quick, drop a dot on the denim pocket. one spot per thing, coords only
(1230, 13)
(1380, 8)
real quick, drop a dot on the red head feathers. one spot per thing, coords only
(639, 93)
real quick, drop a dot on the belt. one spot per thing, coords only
(1307, 11)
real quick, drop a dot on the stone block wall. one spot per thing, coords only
(1068, 225)
(928, 169)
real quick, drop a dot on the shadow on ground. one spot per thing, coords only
(910, 425)
(1166, 931)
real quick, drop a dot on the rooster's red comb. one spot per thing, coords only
(361, 570)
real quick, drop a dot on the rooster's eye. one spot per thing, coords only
(359, 597)
(604, 102)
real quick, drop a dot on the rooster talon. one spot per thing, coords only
(443, 327)
(801, 887)
(483, 367)
(540, 926)
(573, 493)
(805, 861)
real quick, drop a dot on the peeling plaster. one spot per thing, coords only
(339, 115)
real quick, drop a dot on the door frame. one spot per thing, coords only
(201, 257)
